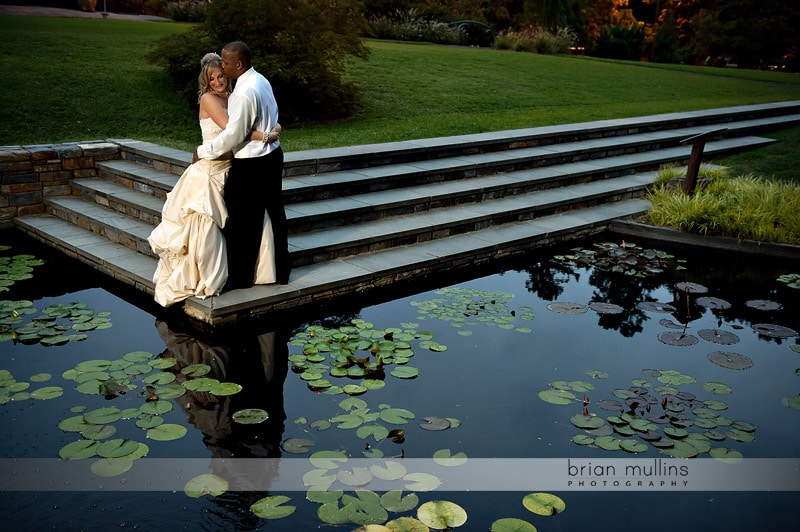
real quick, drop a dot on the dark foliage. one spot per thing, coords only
(299, 45)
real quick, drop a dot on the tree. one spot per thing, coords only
(300, 45)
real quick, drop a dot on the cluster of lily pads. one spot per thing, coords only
(16, 268)
(58, 324)
(626, 258)
(358, 352)
(114, 378)
(462, 307)
(675, 422)
(792, 280)
(341, 491)
(14, 390)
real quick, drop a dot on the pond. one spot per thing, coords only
(587, 386)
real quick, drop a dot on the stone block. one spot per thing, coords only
(17, 166)
(98, 149)
(43, 153)
(76, 163)
(25, 198)
(19, 178)
(14, 153)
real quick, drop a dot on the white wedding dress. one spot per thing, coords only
(192, 254)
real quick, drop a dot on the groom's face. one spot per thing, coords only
(231, 65)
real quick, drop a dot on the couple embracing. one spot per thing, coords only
(223, 225)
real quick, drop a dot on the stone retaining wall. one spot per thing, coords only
(29, 174)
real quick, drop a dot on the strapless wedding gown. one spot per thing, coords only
(192, 254)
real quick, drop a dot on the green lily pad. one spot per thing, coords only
(47, 392)
(388, 470)
(156, 408)
(378, 432)
(512, 524)
(162, 377)
(435, 423)
(272, 507)
(297, 445)
(148, 421)
(41, 377)
(206, 484)
(543, 503)
(406, 524)
(422, 482)
(225, 388)
(196, 370)
(98, 432)
(726, 455)
(443, 457)
(103, 416)
(203, 384)
(583, 439)
(117, 448)
(608, 443)
(587, 422)
(740, 435)
(441, 515)
(394, 501)
(396, 416)
(332, 514)
(250, 416)
(792, 401)
(718, 388)
(557, 397)
(111, 467)
(405, 372)
(328, 459)
(358, 476)
(79, 450)
(680, 449)
(167, 432)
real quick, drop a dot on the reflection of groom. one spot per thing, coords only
(254, 182)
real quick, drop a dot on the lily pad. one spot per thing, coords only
(117, 448)
(606, 308)
(388, 471)
(567, 308)
(718, 336)
(691, 288)
(714, 303)
(763, 304)
(396, 416)
(583, 421)
(206, 484)
(443, 457)
(512, 524)
(111, 467)
(394, 501)
(47, 392)
(719, 388)
(404, 372)
(677, 338)
(543, 503)
(166, 432)
(297, 445)
(730, 360)
(792, 401)
(442, 515)
(773, 331)
(79, 450)
(435, 423)
(358, 476)
(726, 455)
(250, 416)
(421, 482)
(272, 507)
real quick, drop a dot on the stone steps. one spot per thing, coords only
(365, 217)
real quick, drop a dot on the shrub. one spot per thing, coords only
(186, 11)
(410, 25)
(537, 40)
(300, 45)
(745, 207)
(620, 42)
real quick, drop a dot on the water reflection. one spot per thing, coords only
(258, 362)
(752, 278)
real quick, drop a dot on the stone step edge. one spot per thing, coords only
(317, 160)
(321, 282)
(159, 182)
(293, 208)
(368, 234)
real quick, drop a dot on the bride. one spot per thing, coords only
(189, 241)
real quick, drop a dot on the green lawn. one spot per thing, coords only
(84, 79)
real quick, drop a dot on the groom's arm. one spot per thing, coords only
(243, 113)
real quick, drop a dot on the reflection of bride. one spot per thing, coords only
(189, 240)
(259, 363)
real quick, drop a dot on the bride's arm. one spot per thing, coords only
(211, 106)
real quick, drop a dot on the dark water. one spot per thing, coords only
(488, 378)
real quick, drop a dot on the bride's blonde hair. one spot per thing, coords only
(209, 62)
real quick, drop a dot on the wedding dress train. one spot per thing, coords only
(192, 254)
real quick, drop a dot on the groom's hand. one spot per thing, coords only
(195, 158)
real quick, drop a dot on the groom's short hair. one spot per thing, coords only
(241, 51)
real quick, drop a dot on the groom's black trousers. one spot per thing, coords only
(254, 184)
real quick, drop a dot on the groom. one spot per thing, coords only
(254, 181)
